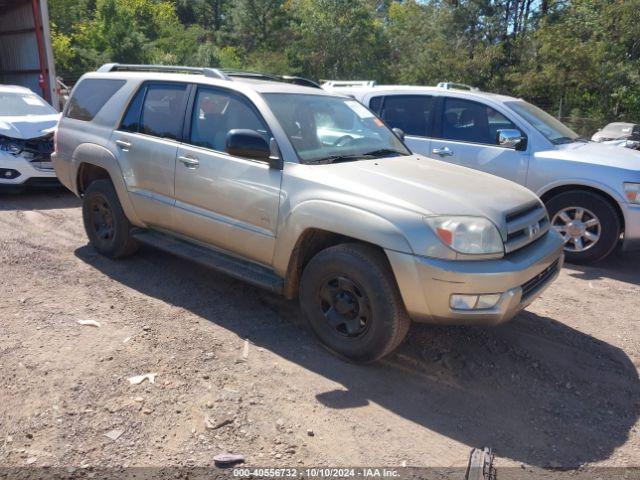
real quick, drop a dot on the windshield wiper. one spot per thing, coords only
(336, 159)
(563, 140)
(383, 152)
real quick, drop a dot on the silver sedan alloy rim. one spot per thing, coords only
(579, 227)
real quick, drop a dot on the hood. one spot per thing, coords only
(26, 127)
(427, 187)
(596, 154)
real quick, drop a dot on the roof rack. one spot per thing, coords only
(222, 74)
(456, 86)
(122, 67)
(348, 83)
(271, 77)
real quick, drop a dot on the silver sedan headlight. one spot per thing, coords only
(468, 235)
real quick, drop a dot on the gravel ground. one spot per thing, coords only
(235, 369)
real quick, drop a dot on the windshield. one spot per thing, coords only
(326, 128)
(554, 130)
(22, 103)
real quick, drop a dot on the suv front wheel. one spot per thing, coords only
(588, 223)
(350, 299)
(107, 226)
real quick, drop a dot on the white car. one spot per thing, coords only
(27, 124)
(591, 190)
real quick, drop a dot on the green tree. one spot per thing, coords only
(337, 39)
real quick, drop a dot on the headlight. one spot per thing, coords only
(470, 235)
(632, 192)
(10, 146)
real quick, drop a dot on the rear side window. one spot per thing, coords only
(163, 110)
(410, 113)
(90, 96)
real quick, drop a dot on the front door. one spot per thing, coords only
(147, 142)
(222, 200)
(467, 136)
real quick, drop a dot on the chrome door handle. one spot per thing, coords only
(443, 152)
(123, 144)
(189, 162)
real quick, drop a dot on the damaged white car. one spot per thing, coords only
(27, 124)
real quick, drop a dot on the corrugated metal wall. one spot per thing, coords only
(19, 56)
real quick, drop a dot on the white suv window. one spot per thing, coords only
(474, 122)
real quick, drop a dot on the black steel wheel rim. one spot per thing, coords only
(345, 307)
(102, 219)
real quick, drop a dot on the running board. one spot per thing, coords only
(234, 267)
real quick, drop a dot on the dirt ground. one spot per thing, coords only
(557, 388)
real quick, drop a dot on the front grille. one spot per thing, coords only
(525, 226)
(536, 282)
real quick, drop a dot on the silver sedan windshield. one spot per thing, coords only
(326, 128)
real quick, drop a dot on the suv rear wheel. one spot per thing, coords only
(588, 222)
(350, 299)
(107, 226)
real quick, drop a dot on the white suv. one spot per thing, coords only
(27, 124)
(591, 190)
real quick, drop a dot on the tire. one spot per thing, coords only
(594, 206)
(352, 285)
(107, 226)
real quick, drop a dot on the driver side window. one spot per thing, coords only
(215, 113)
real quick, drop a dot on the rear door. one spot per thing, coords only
(466, 134)
(147, 143)
(413, 114)
(223, 200)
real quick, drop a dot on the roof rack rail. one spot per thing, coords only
(457, 86)
(305, 82)
(272, 77)
(123, 67)
(348, 83)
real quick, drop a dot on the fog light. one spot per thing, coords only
(474, 302)
(487, 301)
(9, 173)
(463, 302)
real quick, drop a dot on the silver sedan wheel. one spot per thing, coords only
(579, 227)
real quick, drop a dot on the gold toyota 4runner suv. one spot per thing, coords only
(305, 193)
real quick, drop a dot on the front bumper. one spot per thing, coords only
(29, 173)
(631, 213)
(426, 284)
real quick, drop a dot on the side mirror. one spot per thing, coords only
(633, 144)
(248, 144)
(399, 133)
(511, 138)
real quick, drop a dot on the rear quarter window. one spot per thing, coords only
(90, 96)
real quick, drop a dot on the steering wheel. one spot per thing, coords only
(343, 140)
